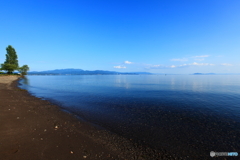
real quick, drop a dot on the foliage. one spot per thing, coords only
(23, 70)
(8, 67)
(11, 62)
(11, 56)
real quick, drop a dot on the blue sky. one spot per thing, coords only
(168, 36)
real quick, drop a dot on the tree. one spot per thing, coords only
(11, 62)
(8, 67)
(23, 70)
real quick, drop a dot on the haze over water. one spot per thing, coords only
(184, 114)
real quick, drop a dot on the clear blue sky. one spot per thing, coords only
(162, 36)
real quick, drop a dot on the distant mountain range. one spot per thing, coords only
(203, 73)
(71, 71)
(215, 74)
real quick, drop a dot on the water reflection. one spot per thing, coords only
(25, 80)
(122, 82)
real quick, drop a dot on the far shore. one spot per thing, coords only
(32, 128)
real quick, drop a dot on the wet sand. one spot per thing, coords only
(32, 128)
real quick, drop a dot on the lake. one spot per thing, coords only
(184, 114)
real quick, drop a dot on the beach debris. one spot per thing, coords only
(45, 130)
(56, 127)
(71, 152)
(84, 156)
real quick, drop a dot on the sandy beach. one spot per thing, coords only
(32, 128)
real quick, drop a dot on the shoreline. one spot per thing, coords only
(33, 128)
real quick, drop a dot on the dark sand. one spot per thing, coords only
(35, 129)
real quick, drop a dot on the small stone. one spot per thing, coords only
(71, 152)
(45, 130)
(84, 156)
(17, 117)
(56, 127)
(41, 139)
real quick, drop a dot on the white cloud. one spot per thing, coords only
(201, 64)
(195, 64)
(192, 64)
(119, 67)
(183, 65)
(128, 62)
(160, 66)
(202, 56)
(226, 64)
(157, 66)
(181, 59)
(150, 66)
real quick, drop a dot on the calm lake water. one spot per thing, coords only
(184, 114)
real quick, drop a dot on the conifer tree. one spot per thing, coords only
(11, 62)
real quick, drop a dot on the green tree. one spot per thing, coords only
(8, 67)
(23, 70)
(11, 62)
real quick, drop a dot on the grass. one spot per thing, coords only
(5, 74)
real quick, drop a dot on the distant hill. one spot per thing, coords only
(215, 74)
(72, 71)
(203, 73)
(141, 72)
